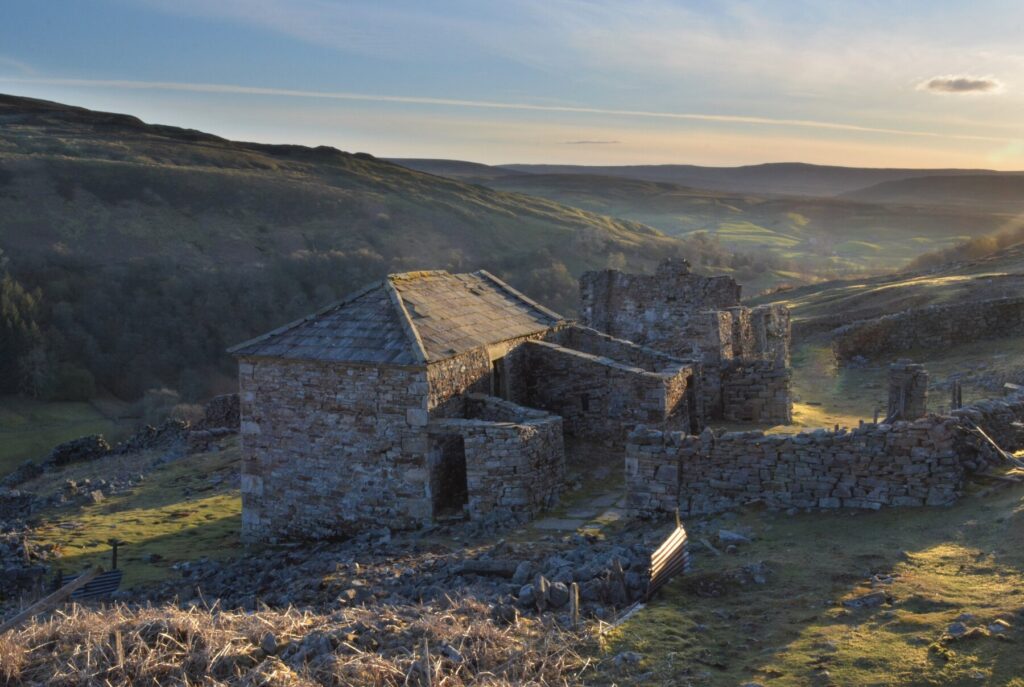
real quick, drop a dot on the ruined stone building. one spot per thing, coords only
(429, 394)
(744, 352)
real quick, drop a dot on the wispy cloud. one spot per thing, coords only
(17, 65)
(961, 85)
(229, 89)
(590, 143)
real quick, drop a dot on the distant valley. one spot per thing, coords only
(840, 221)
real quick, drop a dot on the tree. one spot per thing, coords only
(20, 335)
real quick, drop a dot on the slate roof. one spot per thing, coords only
(410, 318)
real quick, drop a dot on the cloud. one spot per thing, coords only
(961, 84)
(229, 89)
(589, 143)
(16, 65)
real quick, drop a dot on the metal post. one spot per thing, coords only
(114, 543)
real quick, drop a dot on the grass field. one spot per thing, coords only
(936, 564)
(30, 428)
(182, 511)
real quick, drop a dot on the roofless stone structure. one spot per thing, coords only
(429, 395)
(744, 352)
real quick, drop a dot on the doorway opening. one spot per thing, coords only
(498, 376)
(691, 406)
(448, 485)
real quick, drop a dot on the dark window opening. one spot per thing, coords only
(448, 484)
(585, 402)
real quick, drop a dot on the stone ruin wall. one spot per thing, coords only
(328, 447)
(651, 310)
(757, 391)
(931, 327)
(744, 352)
(599, 398)
(923, 462)
(515, 458)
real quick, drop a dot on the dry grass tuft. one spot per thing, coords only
(383, 646)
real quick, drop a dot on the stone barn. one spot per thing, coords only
(430, 395)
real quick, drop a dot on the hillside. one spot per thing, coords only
(1002, 193)
(832, 303)
(782, 178)
(139, 252)
(91, 180)
(473, 172)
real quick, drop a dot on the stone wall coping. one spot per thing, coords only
(441, 423)
(673, 366)
(644, 436)
(607, 362)
(501, 403)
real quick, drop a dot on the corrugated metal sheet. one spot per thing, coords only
(669, 559)
(104, 585)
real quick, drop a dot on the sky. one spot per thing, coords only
(901, 83)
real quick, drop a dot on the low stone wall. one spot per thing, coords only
(1001, 419)
(221, 412)
(756, 391)
(904, 464)
(923, 462)
(602, 399)
(514, 461)
(15, 505)
(932, 327)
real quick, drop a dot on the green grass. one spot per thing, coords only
(176, 513)
(30, 428)
(964, 559)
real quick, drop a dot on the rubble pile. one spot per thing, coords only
(377, 568)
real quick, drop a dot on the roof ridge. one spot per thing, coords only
(359, 293)
(521, 296)
(416, 274)
(408, 327)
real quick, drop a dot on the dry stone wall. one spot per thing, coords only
(1001, 418)
(932, 327)
(515, 457)
(328, 448)
(906, 463)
